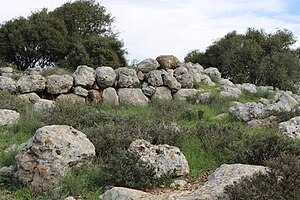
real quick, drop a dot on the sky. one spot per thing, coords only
(176, 27)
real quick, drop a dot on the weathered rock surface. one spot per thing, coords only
(171, 82)
(196, 70)
(229, 91)
(213, 73)
(105, 76)
(110, 97)
(183, 77)
(29, 97)
(58, 84)
(147, 65)
(247, 87)
(291, 127)
(284, 102)
(162, 93)
(127, 78)
(8, 117)
(184, 94)
(167, 160)
(168, 61)
(94, 96)
(204, 97)
(51, 153)
(207, 80)
(81, 91)
(84, 76)
(31, 83)
(147, 89)
(133, 96)
(247, 111)
(70, 97)
(7, 84)
(226, 82)
(43, 104)
(121, 193)
(155, 78)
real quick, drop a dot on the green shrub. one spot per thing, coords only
(281, 182)
(8, 158)
(12, 102)
(127, 170)
(257, 148)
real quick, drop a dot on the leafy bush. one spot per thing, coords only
(8, 158)
(127, 170)
(281, 182)
(257, 148)
(12, 102)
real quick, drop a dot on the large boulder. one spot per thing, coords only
(121, 193)
(168, 61)
(43, 104)
(147, 89)
(58, 84)
(285, 102)
(133, 96)
(247, 87)
(84, 76)
(167, 160)
(78, 90)
(196, 70)
(110, 97)
(229, 91)
(31, 83)
(51, 153)
(248, 111)
(171, 82)
(183, 77)
(71, 97)
(29, 97)
(291, 127)
(162, 93)
(127, 78)
(213, 73)
(270, 121)
(184, 94)
(105, 76)
(8, 117)
(147, 65)
(7, 84)
(155, 78)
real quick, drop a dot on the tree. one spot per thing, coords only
(255, 57)
(38, 40)
(74, 34)
(91, 36)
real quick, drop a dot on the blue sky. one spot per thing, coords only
(151, 28)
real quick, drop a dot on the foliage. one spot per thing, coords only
(281, 182)
(255, 149)
(254, 57)
(74, 34)
(12, 102)
(127, 170)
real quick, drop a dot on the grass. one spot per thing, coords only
(205, 141)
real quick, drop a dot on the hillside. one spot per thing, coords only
(159, 130)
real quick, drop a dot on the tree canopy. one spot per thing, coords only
(76, 33)
(254, 57)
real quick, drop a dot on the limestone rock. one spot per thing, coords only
(147, 65)
(167, 160)
(291, 127)
(110, 97)
(259, 123)
(213, 73)
(94, 96)
(31, 83)
(29, 97)
(7, 170)
(184, 94)
(247, 111)
(204, 97)
(140, 75)
(127, 78)
(58, 84)
(148, 89)
(51, 153)
(6, 70)
(84, 76)
(183, 77)
(162, 93)
(171, 82)
(155, 78)
(81, 91)
(207, 80)
(8, 117)
(228, 91)
(121, 193)
(196, 70)
(168, 61)
(105, 76)
(226, 82)
(247, 87)
(285, 102)
(7, 84)
(133, 96)
(178, 184)
(70, 97)
(70, 198)
(43, 104)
